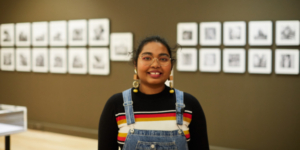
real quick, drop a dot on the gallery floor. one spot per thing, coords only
(42, 140)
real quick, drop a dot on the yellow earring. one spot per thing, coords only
(171, 84)
(135, 83)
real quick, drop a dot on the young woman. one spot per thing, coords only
(152, 115)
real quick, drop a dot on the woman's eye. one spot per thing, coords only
(163, 59)
(146, 58)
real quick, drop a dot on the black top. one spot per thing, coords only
(108, 127)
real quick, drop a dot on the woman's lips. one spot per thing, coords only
(154, 74)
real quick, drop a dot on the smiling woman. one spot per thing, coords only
(151, 115)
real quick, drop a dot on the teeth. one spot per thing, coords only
(154, 73)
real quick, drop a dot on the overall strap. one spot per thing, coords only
(128, 106)
(179, 106)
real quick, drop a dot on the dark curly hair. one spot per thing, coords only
(156, 38)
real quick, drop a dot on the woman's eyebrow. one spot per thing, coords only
(164, 54)
(147, 53)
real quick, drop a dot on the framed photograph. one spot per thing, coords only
(39, 33)
(234, 33)
(260, 61)
(121, 45)
(210, 60)
(7, 59)
(234, 60)
(58, 60)
(40, 60)
(58, 33)
(287, 32)
(23, 34)
(260, 33)
(23, 59)
(99, 32)
(99, 61)
(210, 33)
(187, 59)
(77, 32)
(287, 61)
(77, 60)
(187, 34)
(7, 34)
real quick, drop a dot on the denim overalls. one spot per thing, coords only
(154, 139)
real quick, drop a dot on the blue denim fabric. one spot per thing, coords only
(154, 139)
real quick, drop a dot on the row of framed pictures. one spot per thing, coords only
(260, 33)
(94, 32)
(234, 60)
(95, 61)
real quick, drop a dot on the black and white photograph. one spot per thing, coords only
(260, 33)
(234, 33)
(210, 60)
(287, 61)
(23, 59)
(23, 34)
(99, 32)
(187, 33)
(58, 60)
(39, 33)
(7, 34)
(77, 32)
(77, 61)
(260, 61)
(99, 61)
(234, 60)
(210, 33)
(287, 33)
(121, 45)
(40, 60)
(187, 59)
(58, 33)
(7, 59)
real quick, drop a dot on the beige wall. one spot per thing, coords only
(246, 111)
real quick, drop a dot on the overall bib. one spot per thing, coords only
(154, 139)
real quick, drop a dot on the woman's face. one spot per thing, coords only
(153, 74)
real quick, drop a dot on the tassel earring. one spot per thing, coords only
(135, 83)
(171, 84)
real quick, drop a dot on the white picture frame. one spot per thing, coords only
(7, 59)
(234, 60)
(121, 46)
(210, 33)
(58, 33)
(187, 59)
(39, 33)
(23, 34)
(77, 32)
(210, 60)
(287, 61)
(99, 31)
(234, 33)
(77, 61)
(7, 34)
(187, 33)
(287, 33)
(58, 60)
(99, 63)
(259, 61)
(260, 33)
(23, 59)
(40, 60)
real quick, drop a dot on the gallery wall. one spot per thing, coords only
(243, 111)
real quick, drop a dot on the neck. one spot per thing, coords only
(151, 89)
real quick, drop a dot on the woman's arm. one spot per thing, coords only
(108, 128)
(197, 127)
